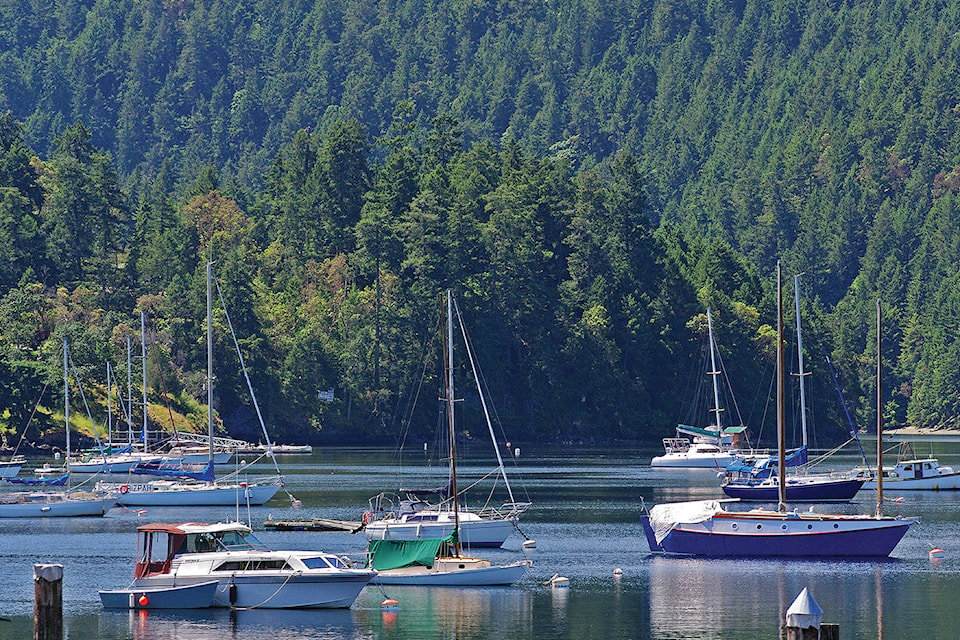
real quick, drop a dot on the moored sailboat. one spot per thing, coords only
(712, 447)
(414, 518)
(434, 561)
(705, 528)
(184, 486)
(756, 482)
(49, 503)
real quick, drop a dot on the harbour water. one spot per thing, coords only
(586, 504)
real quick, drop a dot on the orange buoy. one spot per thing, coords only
(936, 552)
(389, 605)
(143, 600)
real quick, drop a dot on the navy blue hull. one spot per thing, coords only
(827, 491)
(875, 542)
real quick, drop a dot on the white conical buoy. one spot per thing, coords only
(529, 544)
(559, 582)
(618, 571)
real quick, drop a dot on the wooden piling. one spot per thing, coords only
(48, 602)
(828, 631)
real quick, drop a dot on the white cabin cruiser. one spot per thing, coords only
(249, 574)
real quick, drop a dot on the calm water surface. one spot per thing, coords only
(585, 521)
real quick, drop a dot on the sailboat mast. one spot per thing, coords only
(143, 350)
(450, 422)
(210, 359)
(129, 395)
(66, 404)
(781, 456)
(802, 374)
(879, 421)
(714, 373)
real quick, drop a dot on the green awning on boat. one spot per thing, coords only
(394, 554)
(740, 429)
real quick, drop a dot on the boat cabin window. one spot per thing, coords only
(908, 467)
(254, 565)
(324, 562)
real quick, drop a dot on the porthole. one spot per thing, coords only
(784, 527)
(759, 527)
(809, 526)
(836, 526)
(734, 526)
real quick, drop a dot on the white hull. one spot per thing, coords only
(275, 589)
(473, 533)
(111, 464)
(163, 493)
(694, 460)
(949, 482)
(453, 574)
(51, 505)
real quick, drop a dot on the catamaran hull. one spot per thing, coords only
(782, 535)
(58, 509)
(271, 590)
(140, 495)
(473, 533)
(817, 491)
(486, 577)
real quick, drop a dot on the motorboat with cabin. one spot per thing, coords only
(248, 573)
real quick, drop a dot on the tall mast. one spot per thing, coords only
(109, 409)
(714, 373)
(66, 403)
(129, 395)
(451, 423)
(143, 350)
(781, 456)
(802, 374)
(210, 359)
(879, 420)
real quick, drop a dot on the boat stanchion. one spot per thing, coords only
(48, 601)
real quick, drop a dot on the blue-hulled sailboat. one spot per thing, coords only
(705, 528)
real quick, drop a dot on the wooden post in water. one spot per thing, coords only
(47, 602)
(802, 621)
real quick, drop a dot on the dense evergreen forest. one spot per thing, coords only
(588, 177)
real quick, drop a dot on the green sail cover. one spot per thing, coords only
(394, 554)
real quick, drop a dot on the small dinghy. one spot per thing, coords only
(189, 596)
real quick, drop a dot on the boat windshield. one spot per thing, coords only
(223, 541)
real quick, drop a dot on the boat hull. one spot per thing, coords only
(693, 461)
(422, 576)
(275, 590)
(473, 533)
(142, 495)
(9, 470)
(781, 535)
(798, 491)
(944, 482)
(39, 506)
(191, 596)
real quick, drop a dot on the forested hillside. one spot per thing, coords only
(587, 176)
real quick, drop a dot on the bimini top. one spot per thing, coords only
(194, 527)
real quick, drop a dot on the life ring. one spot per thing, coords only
(124, 488)
(367, 517)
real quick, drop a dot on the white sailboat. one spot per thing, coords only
(414, 518)
(438, 561)
(711, 447)
(189, 488)
(49, 503)
(705, 528)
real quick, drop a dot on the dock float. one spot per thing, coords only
(315, 524)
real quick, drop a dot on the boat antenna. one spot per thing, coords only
(879, 421)
(448, 357)
(781, 457)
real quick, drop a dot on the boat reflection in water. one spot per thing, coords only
(425, 612)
